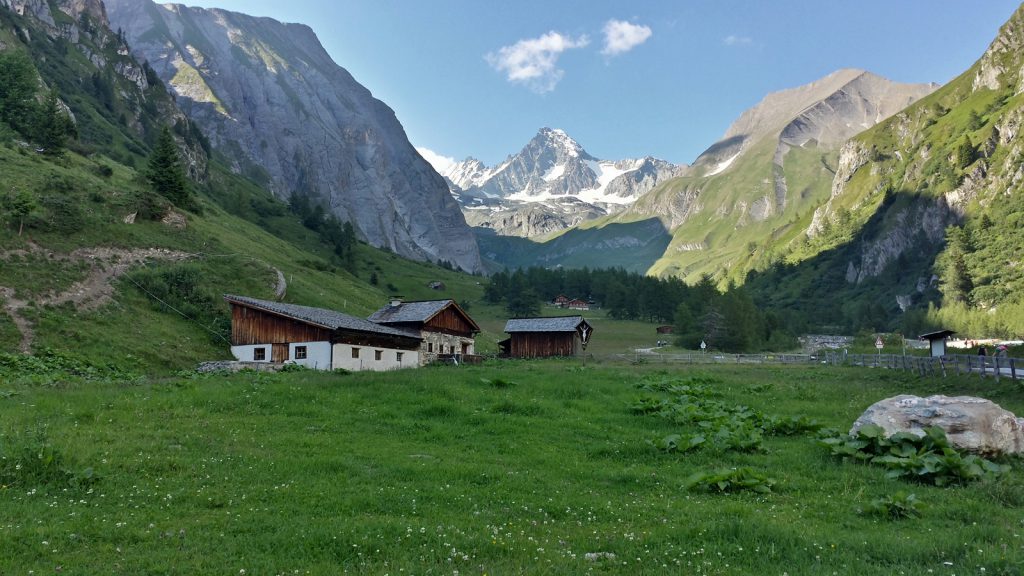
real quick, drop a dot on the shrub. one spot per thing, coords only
(35, 462)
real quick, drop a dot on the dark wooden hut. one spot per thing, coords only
(545, 337)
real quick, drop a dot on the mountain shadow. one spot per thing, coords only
(830, 291)
(633, 246)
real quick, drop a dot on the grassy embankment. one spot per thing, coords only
(517, 467)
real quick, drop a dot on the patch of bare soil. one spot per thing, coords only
(95, 290)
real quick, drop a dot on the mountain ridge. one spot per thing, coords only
(270, 97)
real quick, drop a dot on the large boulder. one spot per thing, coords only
(973, 424)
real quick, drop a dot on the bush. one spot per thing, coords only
(34, 463)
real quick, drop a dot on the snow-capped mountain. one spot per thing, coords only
(549, 174)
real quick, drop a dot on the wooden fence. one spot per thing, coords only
(983, 366)
(953, 364)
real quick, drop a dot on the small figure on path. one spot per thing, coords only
(982, 351)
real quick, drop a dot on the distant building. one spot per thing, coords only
(561, 301)
(578, 304)
(544, 337)
(265, 331)
(442, 325)
(667, 329)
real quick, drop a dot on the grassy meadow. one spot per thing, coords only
(506, 468)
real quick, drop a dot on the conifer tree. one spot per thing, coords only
(164, 171)
(53, 126)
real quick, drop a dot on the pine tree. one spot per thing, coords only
(17, 91)
(164, 172)
(53, 126)
(956, 278)
(966, 154)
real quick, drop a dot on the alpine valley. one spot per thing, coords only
(852, 202)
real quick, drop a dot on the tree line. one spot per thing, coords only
(43, 122)
(725, 320)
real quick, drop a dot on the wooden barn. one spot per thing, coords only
(545, 337)
(443, 326)
(561, 300)
(265, 331)
(578, 304)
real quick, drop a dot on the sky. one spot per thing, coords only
(661, 78)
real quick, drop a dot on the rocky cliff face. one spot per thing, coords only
(269, 96)
(530, 191)
(952, 161)
(141, 105)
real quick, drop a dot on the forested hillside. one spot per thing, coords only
(923, 224)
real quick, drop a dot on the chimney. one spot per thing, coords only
(396, 301)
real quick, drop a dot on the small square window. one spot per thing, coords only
(398, 356)
(378, 354)
(259, 354)
(355, 352)
(300, 352)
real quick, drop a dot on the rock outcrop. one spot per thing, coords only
(973, 424)
(269, 97)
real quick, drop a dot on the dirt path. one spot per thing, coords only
(95, 290)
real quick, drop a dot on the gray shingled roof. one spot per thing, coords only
(558, 324)
(408, 312)
(321, 317)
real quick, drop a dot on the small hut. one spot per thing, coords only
(546, 337)
(937, 341)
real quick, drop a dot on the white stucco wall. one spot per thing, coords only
(367, 359)
(318, 355)
(245, 352)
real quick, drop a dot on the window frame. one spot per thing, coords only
(301, 352)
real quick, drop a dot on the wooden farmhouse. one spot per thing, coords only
(561, 300)
(578, 304)
(442, 325)
(265, 331)
(544, 337)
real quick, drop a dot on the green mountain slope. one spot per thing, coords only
(93, 262)
(948, 167)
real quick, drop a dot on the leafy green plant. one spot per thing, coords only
(730, 480)
(679, 443)
(37, 463)
(896, 507)
(498, 382)
(928, 458)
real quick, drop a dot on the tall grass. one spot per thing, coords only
(438, 471)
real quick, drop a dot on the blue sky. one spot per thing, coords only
(480, 77)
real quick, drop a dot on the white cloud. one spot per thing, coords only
(734, 40)
(621, 36)
(534, 61)
(439, 162)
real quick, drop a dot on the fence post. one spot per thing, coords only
(997, 370)
(981, 363)
(1013, 370)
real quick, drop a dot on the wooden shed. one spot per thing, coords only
(266, 331)
(546, 337)
(444, 327)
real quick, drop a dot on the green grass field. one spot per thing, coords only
(505, 468)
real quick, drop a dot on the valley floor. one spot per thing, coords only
(505, 468)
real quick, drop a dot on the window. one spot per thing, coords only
(398, 356)
(300, 352)
(355, 352)
(378, 354)
(259, 354)
(430, 346)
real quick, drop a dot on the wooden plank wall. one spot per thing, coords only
(249, 326)
(449, 321)
(543, 344)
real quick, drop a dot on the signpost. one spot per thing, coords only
(703, 347)
(879, 344)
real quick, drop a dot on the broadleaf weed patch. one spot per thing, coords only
(929, 459)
